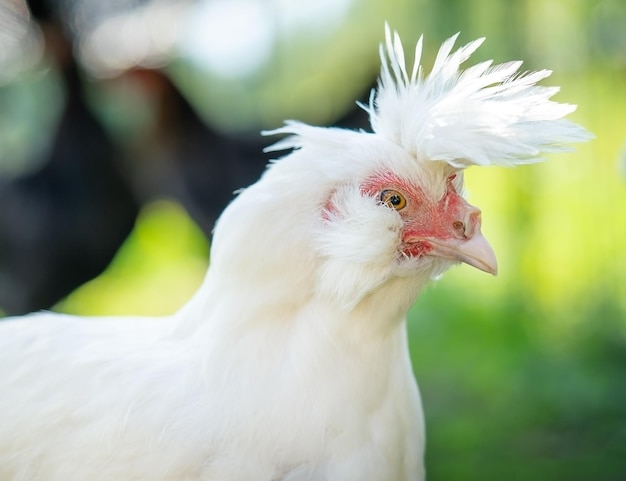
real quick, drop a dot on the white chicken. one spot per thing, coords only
(291, 362)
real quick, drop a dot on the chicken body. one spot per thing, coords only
(291, 362)
(149, 411)
(266, 374)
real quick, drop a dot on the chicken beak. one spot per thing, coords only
(474, 251)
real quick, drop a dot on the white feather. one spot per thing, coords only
(482, 116)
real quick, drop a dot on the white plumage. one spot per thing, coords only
(291, 361)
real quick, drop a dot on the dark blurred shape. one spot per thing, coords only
(181, 157)
(184, 158)
(61, 225)
(43, 10)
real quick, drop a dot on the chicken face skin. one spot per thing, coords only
(449, 227)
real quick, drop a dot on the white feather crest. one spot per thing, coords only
(485, 115)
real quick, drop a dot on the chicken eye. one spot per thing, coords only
(393, 199)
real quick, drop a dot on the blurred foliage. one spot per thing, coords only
(26, 129)
(502, 403)
(155, 271)
(522, 375)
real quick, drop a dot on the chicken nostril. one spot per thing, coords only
(459, 227)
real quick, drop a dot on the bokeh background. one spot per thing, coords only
(125, 126)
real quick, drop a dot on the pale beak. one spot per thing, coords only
(474, 251)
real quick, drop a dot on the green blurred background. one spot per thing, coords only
(523, 376)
